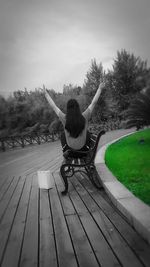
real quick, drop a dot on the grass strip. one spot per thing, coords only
(129, 160)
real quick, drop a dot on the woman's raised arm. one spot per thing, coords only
(96, 97)
(50, 101)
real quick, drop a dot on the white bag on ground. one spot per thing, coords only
(45, 180)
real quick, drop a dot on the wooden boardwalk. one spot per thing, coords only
(43, 228)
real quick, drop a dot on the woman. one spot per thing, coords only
(75, 123)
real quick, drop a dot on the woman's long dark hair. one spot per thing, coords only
(75, 122)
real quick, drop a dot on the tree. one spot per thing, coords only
(109, 97)
(3, 114)
(93, 78)
(138, 115)
(129, 75)
(56, 126)
(24, 110)
(71, 90)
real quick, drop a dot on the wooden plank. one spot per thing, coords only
(7, 198)
(12, 253)
(5, 186)
(47, 252)
(56, 167)
(80, 221)
(65, 251)
(29, 253)
(9, 215)
(3, 179)
(38, 164)
(103, 251)
(66, 203)
(113, 237)
(30, 161)
(134, 241)
(53, 164)
(85, 254)
(83, 250)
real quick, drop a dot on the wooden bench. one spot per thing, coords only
(78, 161)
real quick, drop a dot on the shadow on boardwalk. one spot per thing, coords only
(44, 228)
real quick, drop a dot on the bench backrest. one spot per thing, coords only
(90, 154)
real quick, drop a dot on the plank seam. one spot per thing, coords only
(19, 260)
(66, 223)
(97, 226)
(10, 199)
(122, 217)
(10, 182)
(50, 206)
(109, 221)
(12, 220)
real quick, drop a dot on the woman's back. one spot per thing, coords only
(78, 142)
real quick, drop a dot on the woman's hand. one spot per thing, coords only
(44, 89)
(102, 85)
(45, 92)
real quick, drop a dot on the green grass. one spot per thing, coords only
(129, 160)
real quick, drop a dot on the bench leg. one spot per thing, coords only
(93, 176)
(62, 172)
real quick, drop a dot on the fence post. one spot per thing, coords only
(46, 138)
(31, 139)
(39, 142)
(53, 137)
(22, 141)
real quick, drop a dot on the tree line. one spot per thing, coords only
(125, 100)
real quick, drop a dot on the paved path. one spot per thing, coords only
(135, 210)
(43, 228)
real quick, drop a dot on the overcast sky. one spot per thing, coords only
(52, 42)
